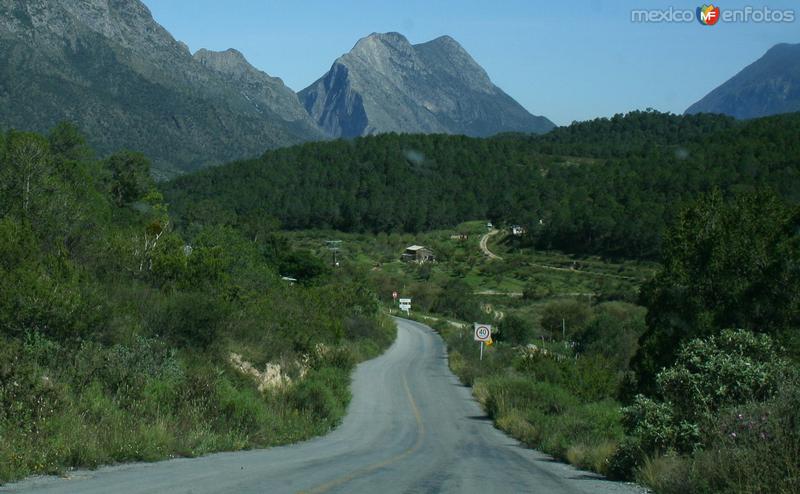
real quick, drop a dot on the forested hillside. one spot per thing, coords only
(608, 186)
(122, 340)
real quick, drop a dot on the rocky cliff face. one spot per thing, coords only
(267, 94)
(386, 84)
(110, 68)
(768, 86)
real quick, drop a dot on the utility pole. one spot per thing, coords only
(334, 246)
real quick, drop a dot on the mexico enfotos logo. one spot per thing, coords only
(710, 15)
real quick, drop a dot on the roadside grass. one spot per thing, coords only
(541, 412)
(66, 406)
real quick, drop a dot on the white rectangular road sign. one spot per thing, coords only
(405, 300)
(405, 306)
(483, 332)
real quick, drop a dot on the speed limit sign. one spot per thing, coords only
(483, 332)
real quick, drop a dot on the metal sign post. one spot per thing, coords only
(405, 304)
(483, 333)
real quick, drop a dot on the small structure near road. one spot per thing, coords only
(418, 254)
(518, 230)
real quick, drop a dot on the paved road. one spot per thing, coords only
(411, 427)
(485, 247)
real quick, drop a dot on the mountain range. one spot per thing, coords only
(386, 84)
(110, 68)
(768, 86)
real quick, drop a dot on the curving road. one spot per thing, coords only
(411, 427)
(484, 244)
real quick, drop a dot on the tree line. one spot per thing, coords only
(608, 186)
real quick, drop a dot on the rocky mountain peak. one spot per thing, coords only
(446, 40)
(377, 41)
(127, 22)
(379, 49)
(262, 91)
(230, 61)
(386, 84)
(768, 86)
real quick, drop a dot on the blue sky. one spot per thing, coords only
(564, 60)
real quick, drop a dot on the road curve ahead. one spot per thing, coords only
(484, 244)
(411, 427)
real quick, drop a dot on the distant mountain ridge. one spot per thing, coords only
(108, 66)
(386, 84)
(768, 86)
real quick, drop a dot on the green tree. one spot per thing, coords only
(515, 330)
(456, 300)
(568, 314)
(726, 264)
(130, 177)
(26, 175)
(67, 142)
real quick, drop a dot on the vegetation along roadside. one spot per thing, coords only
(123, 339)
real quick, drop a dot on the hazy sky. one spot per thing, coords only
(564, 60)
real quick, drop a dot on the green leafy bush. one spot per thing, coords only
(733, 369)
(515, 330)
(192, 319)
(569, 314)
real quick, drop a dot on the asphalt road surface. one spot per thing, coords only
(411, 427)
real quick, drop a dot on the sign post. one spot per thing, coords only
(483, 333)
(405, 304)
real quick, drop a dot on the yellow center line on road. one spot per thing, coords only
(377, 466)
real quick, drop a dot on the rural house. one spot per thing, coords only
(418, 253)
(518, 230)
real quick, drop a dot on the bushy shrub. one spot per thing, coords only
(753, 448)
(735, 367)
(456, 300)
(515, 330)
(732, 369)
(323, 395)
(192, 319)
(536, 291)
(612, 332)
(569, 314)
(594, 378)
